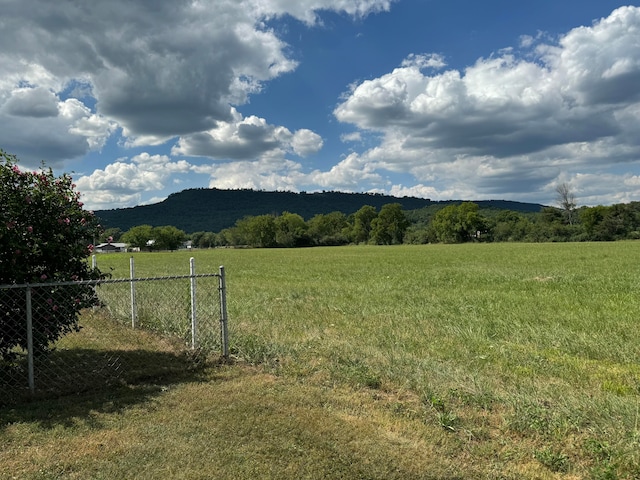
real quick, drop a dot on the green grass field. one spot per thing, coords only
(435, 362)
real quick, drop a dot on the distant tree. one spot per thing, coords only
(45, 236)
(510, 226)
(291, 230)
(168, 237)
(618, 222)
(551, 226)
(362, 222)
(566, 199)
(258, 231)
(591, 219)
(195, 238)
(328, 229)
(457, 223)
(110, 235)
(389, 227)
(231, 237)
(550, 215)
(138, 236)
(207, 240)
(417, 234)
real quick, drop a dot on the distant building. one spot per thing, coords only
(110, 247)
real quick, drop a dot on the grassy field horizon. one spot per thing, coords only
(430, 361)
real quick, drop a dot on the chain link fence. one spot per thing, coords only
(143, 327)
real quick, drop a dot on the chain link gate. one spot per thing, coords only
(186, 311)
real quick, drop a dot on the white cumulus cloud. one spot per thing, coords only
(510, 120)
(157, 70)
(121, 183)
(247, 138)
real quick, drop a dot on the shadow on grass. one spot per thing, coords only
(76, 383)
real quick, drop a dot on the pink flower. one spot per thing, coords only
(55, 308)
(90, 247)
(43, 277)
(50, 301)
(30, 229)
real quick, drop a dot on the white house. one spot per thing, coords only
(110, 247)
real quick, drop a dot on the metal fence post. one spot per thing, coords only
(194, 318)
(223, 314)
(134, 312)
(32, 383)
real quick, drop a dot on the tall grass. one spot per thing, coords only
(535, 343)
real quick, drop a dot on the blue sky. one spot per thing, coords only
(444, 100)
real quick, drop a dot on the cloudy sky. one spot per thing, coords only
(443, 99)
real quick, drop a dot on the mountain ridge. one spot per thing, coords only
(212, 209)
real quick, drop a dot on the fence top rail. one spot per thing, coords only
(106, 280)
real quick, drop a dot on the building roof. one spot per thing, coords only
(111, 245)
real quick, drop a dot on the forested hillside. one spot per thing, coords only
(213, 210)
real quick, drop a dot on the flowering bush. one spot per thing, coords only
(45, 236)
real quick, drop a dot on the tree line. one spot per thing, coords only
(391, 225)
(466, 222)
(368, 225)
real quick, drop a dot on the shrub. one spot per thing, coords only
(45, 236)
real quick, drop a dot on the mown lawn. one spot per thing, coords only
(435, 361)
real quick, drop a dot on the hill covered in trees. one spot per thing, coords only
(213, 210)
(255, 219)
